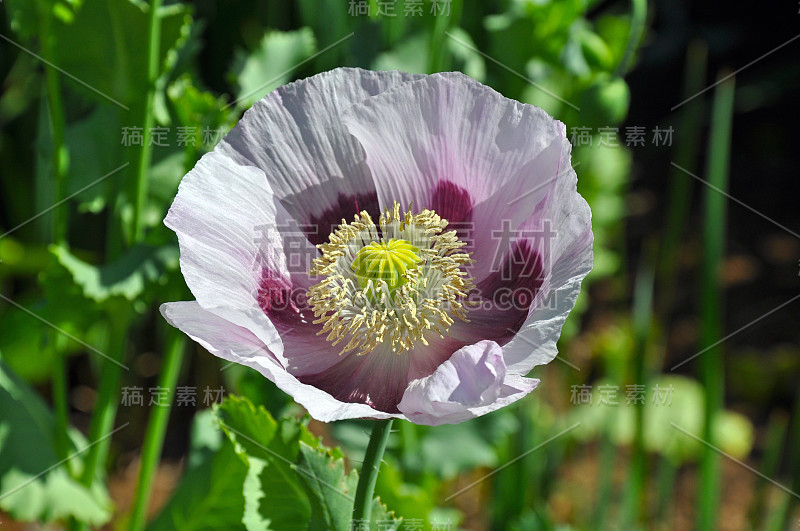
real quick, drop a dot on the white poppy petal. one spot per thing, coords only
(451, 144)
(238, 345)
(295, 135)
(528, 299)
(471, 383)
(535, 342)
(216, 213)
(568, 257)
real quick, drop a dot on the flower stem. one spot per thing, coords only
(105, 410)
(142, 164)
(156, 429)
(369, 470)
(686, 152)
(712, 368)
(633, 499)
(638, 20)
(60, 162)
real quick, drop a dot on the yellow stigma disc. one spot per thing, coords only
(387, 261)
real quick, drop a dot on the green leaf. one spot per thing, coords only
(614, 31)
(410, 55)
(25, 14)
(331, 491)
(274, 496)
(24, 341)
(330, 488)
(573, 57)
(446, 459)
(595, 50)
(382, 518)
(209, 496)
(271, 64)
(95, 151)
(129, 277)
(605, 103)
(416, 500)
(34, 484)
(113, 61)
(293, 482)
(198, 108)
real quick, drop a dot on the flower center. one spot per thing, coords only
(385, 261)
(393, 282)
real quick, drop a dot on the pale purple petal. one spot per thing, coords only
(215, 215)
(378, 378)
(539, 278)
(568, 259)
(295, 135)
(238, 345)
(448, 143)
(471, 383)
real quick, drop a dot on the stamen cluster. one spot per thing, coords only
(368, 312)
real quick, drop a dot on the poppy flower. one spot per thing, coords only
(385, 245)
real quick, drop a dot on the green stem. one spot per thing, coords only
(776, 434)
(680, 190)
(156, 429)
(642, 319)
(711, 364)
(780, 517)
(666, 475)
(105, 410)
(615, 370)
(60, 403)
(638, 20)
(147, 121)
(369, 470)
(57, 126)
(106, 407)
(60, 163)
(438, 54)
(608, 455)
(107, 398)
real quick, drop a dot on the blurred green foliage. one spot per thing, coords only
(101, 288)
(37, 486)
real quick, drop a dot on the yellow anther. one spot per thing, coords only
(401, 285)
